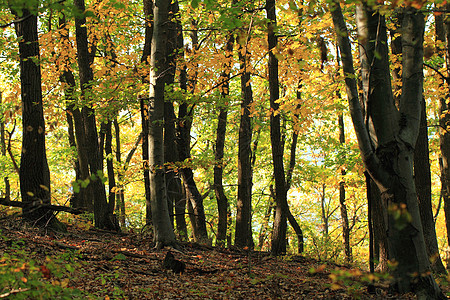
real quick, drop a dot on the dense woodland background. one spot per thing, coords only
(230, 120)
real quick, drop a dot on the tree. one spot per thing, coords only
(280, 223)
(185, 118)
(103, 215)
(243, 233)
(143, 101)
(162, 227)
(442, 37)
(222, 201)
(34, 171)
(388, 151)
(343, 205)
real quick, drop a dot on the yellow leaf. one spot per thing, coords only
(45, 188)
(65, 282)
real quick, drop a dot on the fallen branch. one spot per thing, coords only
(13, 291)
(75, 211)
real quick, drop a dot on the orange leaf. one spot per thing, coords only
(45, 272)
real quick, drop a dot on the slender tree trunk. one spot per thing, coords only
(443, 35)
(222, 201)
(280, 223)
(111, 176)
(173, 181)
(68, 79)
(7, 193)
(163, 230)
(34, 174)
(185, 115)
(148, 13)
(422, 177)
(243, 234)
(265, 224)
(394, 137)
(84, 198)
(120, 194)
(343, 205)
(102, 215)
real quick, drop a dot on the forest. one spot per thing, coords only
(279, 149)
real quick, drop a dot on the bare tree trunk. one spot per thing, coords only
(7, 193)
(343, 206)
(222, 201)
(443, 35)
(82, 199)
(102, 215)
(393, 134)
(148, 13)
(243, 234)
(422, 177)
(163, 230)
(34, 174)
(120, 194)
(185, 115)
(281, 210)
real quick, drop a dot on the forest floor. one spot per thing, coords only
(108, 265)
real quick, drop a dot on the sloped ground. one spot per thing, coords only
(125, 266)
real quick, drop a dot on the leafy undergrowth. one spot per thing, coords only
(93, 264)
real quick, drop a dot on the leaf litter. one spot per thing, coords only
(110, 265)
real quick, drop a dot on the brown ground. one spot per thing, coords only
(125, 266)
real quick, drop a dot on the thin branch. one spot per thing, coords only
(446, 78)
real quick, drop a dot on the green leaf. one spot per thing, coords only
(194, 3)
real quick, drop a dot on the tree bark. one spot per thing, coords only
(34, 174)
(119, 193)
(162, 227)
(393, 136)
(222, 201)
(185, 115)
(443, 35)
(171, 156)
(343, 205)
(148, 13)
(280, 222)
(243, 234)
(7, 193)
(102, 216)
(84, 198)
(422, 177)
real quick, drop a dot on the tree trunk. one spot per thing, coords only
(82, 199)
(162, 228)
(3, 148)
(120, 195)
(422, 177)
(280, 222)
(102, 216)
(111, 176)
(243, 234)
(34, 174)
(443, 35)
(343, 205)
(393, 136)
(185, 115)
(222, 201)
(173, 181)
(148, 13)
